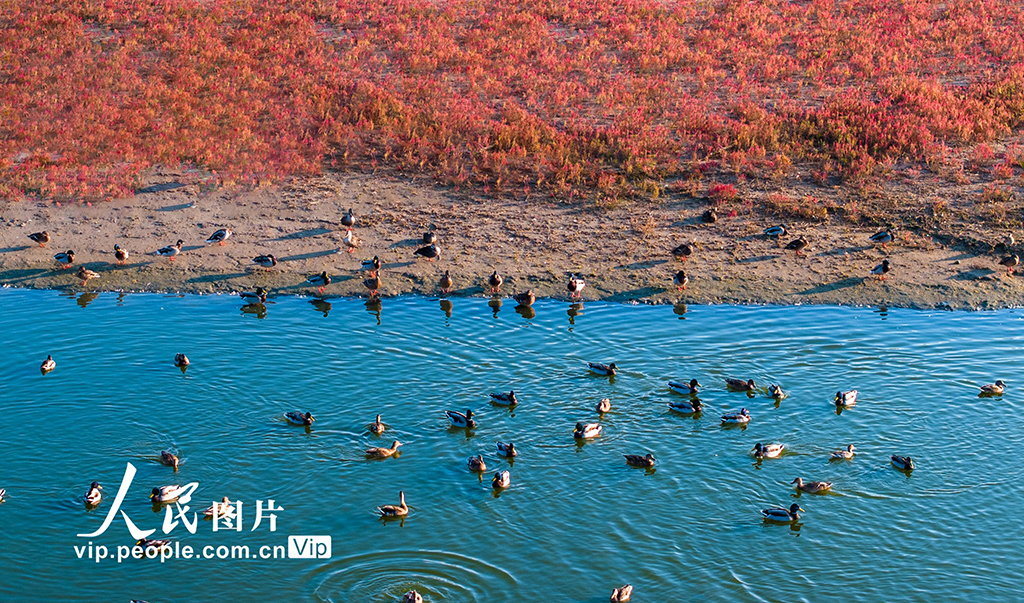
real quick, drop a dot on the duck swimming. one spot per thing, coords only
(151, 543)
(461, 420)
(585, 431)
(603, 406)
(502, 479)
(93, 496)
(65, 258)
(904, 463)
(257, 297)
(223, 509)
(993, 389)
(636, 460)
(844, 455)
(812, 487)
(401, 510)
(782, 514)
(738, 418)
(767, 451)
(775, 391)
(299, 418)
(507, 450)
(166, 493)
(622, 594)
(608, 370)
(686, 407)
(170, 459)
(684, 388)
(40, 237)
(846, 398)
(476, 463)
(48, 365)
(181, 360)
(376, 427)
(412, 597)
(525, 299)
(508, 399)
(383, 453)
(740, 385)
(219, 236)
(171, 250)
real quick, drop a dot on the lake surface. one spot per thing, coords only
(577, 521)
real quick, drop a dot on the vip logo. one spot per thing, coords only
(309, 547)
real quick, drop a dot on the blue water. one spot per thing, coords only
(577, 520)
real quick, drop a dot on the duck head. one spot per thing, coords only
(794, 508)
(694, 383)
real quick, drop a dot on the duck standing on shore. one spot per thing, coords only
(446, 282)
(254, 297)
(495, 281)
(65, 258)
(883, 238)
(40, 237)
(881, 270)
(171, 250)
(681, 280)
(373, 283)
(349, 241)
(798, 245)
(430, 252)
(319, 281)
(348, 220)
(371, 265)
(709, 216)
(575, 285)
(219, 236)
(85, 275)
(774, 232)
(120, 254)
(266, 261)
(1010, 262)
(684, 251)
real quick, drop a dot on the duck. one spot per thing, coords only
(429, 238)
(994, 389)
(319, 281)
(506, 450)
(622, 594)
(376, 427)
(684, 388)
(585, 431)
(412, 597)
(495, 281)
(767, 451)
(798, 245)
(349, 241)
(775, 391)
(152, 543)
(681, 280)
(383, 453)
(48, 365)
(637, 460)
(170, 459)
(171, 250)
(740, 385)
(166, 493)
(476, 463)
(604, 405)
(1010, 261)
(40, 237)
(430, 252)
(3, 493)
(93, 496)
(904, 463)
(373, 283)
(575, 285)
(446, 282)
(525, 299)
(684, 251)
(219, 236)
(846, 398)
(1009, 241)
(460, 420)
(739, 418)
(65, 258)
(882, 269)
(844, 455)
(257, 297)
(266, 261)
(883, 238)
(812, 487)
(224, 508)
(779, 230)
(502, 479)
(372, 265)
(504, 399)
(299, 418)
(85, 274)
(181, 360)
(686, 407)
(348, 220)
(709, 216)
(400, 510)
(782, 514)
(607, 370)
(120, 254)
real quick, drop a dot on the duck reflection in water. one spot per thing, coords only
(495, 305)
(575, 309)
(526, 312)
(374, 306)
(680, 310)
(86, 298)
(257, 310)
(446, 307)
(321, 306)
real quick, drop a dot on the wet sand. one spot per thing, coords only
(623, 253)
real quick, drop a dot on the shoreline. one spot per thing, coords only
(623, 252)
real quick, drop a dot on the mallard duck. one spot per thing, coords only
(684, 251)
(844, 455)
(431, 252)
(846, 398)
(170, 459)
(1010, 262)
(412, 597)
(904, 463)
(429, 238)
(120, 254)
(348, 220)
(798, 245)
(93, 496)
(603, 406)
(607, 370)
(686, 407)
(502, 479)
(166, 493)
(395, 511)
(446, 282)
(684, 388)
(460, 420)
(372, 265)
(782, 514)
(681, 280)
(319, 281)
(40, 237)
(349, 241)
(267, 261)
(881, 270)
(1009, 241)
(373, 283)
(525, 299)
(883, 238)
(298, 418)
(376, 427)
(84, 274)
(503, 399)
(476, 463)
(181, 360)
(776, 231)
(994, 389)
(709, 216)
(640, 461)
(3, 493)
(48, 365)
(495, 281)
(740, 385)
(65, 258)
(219, 236)
(152, 543)
(171, 250)
(224, 509)
(740, 417)
(585, 431)
(575, 285)
(767, 451)
(622, 594)
(812, 487)
(383, 453)
(506, 450)
(256, 297)
(775, 391)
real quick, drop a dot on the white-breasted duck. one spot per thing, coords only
(65, 258)
(166, 493)
(783, 514)
(266, 261)
(259, 296)
(350, 242)
(502, 479)
(120, 254)
(299, 418)
(219, 236)
(430, 252)
(171, 251)
(575, 285)
(93, 495)
(882, 269)
(506, 450)
(767, 451)
(737, 418)
(48, 365)
(681, 280)
(460, 420)
(607, 370)
(319, 281)
(845, 398)
(585, 431)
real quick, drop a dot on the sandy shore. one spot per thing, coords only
(623, 253)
